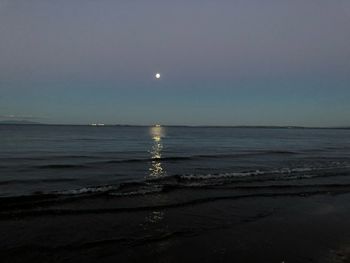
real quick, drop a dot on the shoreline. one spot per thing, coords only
(311, 228)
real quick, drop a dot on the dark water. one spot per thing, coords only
(86, 159)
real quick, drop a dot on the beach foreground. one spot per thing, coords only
(231, 225)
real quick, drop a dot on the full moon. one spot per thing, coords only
(157, 76)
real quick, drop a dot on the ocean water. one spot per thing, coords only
(118, 160)
(131, 194)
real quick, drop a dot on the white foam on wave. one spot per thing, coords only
(221, 175)
(200, 180)
(87, 190)
(258, 172)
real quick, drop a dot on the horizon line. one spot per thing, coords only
(175, 125)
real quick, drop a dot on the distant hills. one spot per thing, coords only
(19, 122)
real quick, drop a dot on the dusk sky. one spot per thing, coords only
(249, 62)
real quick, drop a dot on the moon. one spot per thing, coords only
(157, 76)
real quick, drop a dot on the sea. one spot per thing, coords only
(129, 160)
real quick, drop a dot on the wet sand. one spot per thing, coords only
(173, 227)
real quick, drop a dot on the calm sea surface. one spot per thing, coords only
(81, 159)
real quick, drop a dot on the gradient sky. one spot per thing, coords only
(249, 62)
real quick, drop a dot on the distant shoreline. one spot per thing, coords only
(185, 126)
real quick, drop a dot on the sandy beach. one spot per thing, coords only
(234, 225)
